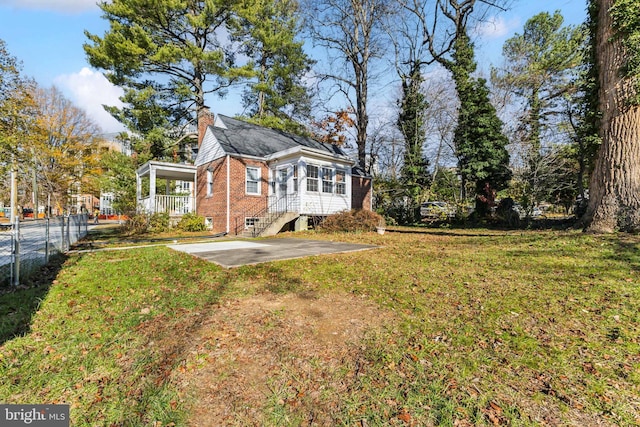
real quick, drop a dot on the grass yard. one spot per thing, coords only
(436, 327)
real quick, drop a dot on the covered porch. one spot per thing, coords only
(174, 201)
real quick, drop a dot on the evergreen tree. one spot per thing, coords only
(152, 117)
(414, 174)
(584, 118)
(119, 178)
(479, 142)
(543, 65)
(277, 96)
(166, 53)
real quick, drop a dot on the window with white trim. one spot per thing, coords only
(253, 180)
(341, 185)
(327, 180)
(295, 178)
(209, 183)
(312, 178)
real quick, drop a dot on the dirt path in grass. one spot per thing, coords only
(285, 352)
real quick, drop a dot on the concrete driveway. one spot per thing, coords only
(234, 253)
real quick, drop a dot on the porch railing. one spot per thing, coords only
(173, 205)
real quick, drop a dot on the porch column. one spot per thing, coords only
(138, 190)
(193, 192)
(152, 189)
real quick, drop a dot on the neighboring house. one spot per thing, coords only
(110, 142)
(178, 196)
(256, 179)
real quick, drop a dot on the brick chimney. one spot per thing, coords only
(205, 119)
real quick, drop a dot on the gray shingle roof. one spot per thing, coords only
(247, 139)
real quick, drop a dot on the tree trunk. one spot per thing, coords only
(362, 116)
(614, 194)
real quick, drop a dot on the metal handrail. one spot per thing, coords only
(272, 208)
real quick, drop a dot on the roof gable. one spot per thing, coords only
(209, 150)
(247, 139)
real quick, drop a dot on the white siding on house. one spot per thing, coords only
(311, 202)
(209, 150)
(274, 176)
(319, 202)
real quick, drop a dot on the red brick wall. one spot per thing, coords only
(361, 192)
(205, 119)
(241, 203)
(214, 206)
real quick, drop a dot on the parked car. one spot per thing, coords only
(536, 212)
(434, 211)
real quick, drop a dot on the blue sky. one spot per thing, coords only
(47, 37)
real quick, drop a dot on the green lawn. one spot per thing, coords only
(490, 328)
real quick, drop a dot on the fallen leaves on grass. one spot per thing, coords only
(273, 354)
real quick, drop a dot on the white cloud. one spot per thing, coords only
(67, 6)
(91, 90)
(496, 26)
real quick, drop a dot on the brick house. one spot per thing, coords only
(249, 178)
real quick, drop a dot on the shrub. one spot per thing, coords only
(159, 222)
(192, 222)
(136, 224)
(141, 223)
(352, 221)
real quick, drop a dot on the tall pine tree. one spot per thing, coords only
(168, 54)
(277, 96)
(542, 68)
(414, 175)
(479, 142)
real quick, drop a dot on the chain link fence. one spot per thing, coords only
(26, 246)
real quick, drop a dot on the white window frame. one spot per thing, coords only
(327, 180)
(253, 179)
(313, 178)
(209, 183)
(295, 178)
(341, 185)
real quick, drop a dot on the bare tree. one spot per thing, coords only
(385, 150)
(353, 33)
(441, 121)
(65, 147)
